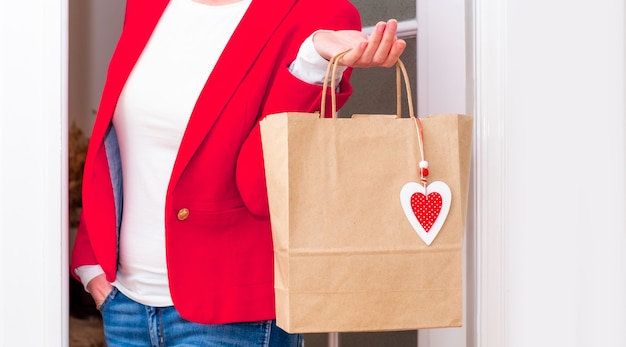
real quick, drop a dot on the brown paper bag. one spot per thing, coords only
(347, 257)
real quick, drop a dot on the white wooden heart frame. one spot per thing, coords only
(439, 187)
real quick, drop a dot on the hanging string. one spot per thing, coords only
(423, 165)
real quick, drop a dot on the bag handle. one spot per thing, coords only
(401, 73)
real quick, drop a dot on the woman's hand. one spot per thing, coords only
(381, 48)
(99, 288)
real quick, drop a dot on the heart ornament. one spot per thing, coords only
(426, 207)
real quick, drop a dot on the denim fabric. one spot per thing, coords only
(130, 324)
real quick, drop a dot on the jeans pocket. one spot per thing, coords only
(108, 299)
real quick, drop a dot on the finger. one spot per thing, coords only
(354, 55)
(373, 42)
(387, 42)
(395, 53)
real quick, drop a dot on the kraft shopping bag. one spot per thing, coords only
(357, 209)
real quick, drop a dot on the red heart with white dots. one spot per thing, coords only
(426, 208)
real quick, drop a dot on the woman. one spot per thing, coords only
(174, 243)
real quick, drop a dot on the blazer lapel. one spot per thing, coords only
(246, 43)
(145, 16)
(129, 48)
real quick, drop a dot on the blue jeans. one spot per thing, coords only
(130, 324)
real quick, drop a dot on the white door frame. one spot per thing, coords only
(33, 173)
(490, 179)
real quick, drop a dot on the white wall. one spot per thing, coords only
(442, 53)
(33, 222)
(551, 171)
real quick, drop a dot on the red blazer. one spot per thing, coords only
(219, 255)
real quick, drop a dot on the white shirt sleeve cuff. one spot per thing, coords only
(310, 66)
(88, 272)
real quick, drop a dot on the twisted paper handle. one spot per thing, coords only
(333, 64)
(401, 73)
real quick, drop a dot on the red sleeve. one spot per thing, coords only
(86, 255)
(290, 94)
(295, 95)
